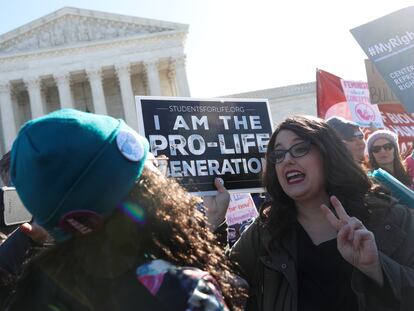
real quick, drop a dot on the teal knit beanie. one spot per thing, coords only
(72, 168)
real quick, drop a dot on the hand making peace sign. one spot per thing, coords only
(355, 243)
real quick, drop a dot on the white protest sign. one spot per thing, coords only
(362, 111)
(241, 208)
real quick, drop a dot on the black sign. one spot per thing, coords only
(204, 139)
(389, 44)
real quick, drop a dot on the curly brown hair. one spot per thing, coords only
(171, 229)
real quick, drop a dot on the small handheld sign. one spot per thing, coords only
(14, 210)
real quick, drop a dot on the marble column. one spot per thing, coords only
(153, 77)
(7, 115)
(181, 76)
(98, 96)
(65, 94)
(123, 71)
(43, 93)
(35, 96)
(171, 81)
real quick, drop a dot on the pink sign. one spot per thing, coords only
(241, 208)
(362, 111)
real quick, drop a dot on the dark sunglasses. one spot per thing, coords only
(296, 151)
(387, 147)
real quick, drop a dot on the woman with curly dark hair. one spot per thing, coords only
(126, 237)
(328, 239)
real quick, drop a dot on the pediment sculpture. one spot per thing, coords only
(71, 29)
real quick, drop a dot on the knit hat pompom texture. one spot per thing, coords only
(75, 163)
(390, 136)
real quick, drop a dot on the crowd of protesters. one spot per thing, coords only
(125, 237)
(380, 150)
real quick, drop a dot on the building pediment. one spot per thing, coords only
(72, 26)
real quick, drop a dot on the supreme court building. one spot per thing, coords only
(286, 100)
(88, 60)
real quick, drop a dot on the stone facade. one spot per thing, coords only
(286, 100)
(89, 60)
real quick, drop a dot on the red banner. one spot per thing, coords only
(329, 92)
(399, 121)
(331, 100)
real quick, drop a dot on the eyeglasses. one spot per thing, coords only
(387, 147)
(296, 151)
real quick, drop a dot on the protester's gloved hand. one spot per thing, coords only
(35, 232)
(216, 206)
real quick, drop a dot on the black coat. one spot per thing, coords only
(271, 271)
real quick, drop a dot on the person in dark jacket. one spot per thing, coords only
(126, 237)
(351, 135)
(329, 239)
(21, 243)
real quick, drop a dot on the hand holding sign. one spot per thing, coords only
(216, 206)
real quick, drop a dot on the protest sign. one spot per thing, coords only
(241, 208)
(393, 113)
(389, 43)
(357, 97)
(379, 91)
(240, 214)
(397, 120)
(205, 138)
(347, 99)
